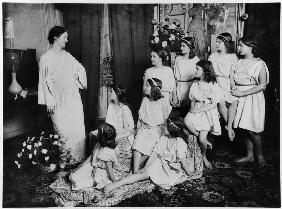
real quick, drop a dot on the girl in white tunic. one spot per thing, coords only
(184, 72)
(98, 170)
(60, 78)
(161, 72)
(153, 112)
(162, 167)
(203, 116)
(224, 62)
(251, 78)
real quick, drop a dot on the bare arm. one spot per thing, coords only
(185, 166)
(232, 72)
(109, 166)
(256, 89)
(151, 159)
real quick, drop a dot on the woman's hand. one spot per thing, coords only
(237, 93)
(50, 109)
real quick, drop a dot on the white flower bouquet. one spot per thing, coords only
(43, 151)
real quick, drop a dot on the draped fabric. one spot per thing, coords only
(106, 77)
(240, 10)
(83, 23)
(131, 30)
(50, 17)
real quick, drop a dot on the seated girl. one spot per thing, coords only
(97, 171)
(203, 116)
(153, 113)
(161, 166)
(120, 116)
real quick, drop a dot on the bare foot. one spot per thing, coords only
(209, 145)
(108, 191)
(261, 161)
(231, 133)
(207, 164)
(245, 160)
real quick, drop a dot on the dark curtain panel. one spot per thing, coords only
(131, 30)
(83, 23)
(263, 24)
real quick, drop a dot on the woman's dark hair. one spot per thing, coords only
(190, 42)
(107, 135)
(176, 127)
(162, 54)
(120, 92)
(250, 42)
(56, 31)
(156, 86)
(209, 74)
(226, 38)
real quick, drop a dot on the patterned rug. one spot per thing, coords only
(227, 184)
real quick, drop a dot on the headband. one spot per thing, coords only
(226, 39)
(173, 124)
(185, 41)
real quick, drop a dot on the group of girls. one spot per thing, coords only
(186, 100)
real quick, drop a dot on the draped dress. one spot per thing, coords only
(60, 78)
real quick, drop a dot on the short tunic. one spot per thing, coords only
(250, 113)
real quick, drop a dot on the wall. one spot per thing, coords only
(27, 26)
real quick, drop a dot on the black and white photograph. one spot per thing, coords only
(141, 104)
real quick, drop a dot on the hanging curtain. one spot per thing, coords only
(106, 77)
(131, 30)
(83, 23)
(240, 10)
(50, 17)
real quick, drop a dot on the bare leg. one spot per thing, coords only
(250, 152)
(203, 142)
(231, 115)
(190, 127)
(258, 148)
(223, 110)
(136, 160)
(130, 179)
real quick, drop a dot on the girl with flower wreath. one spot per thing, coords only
(224, 62)
(184, 73)
(98, 169)
(251, 77)
(153, 113)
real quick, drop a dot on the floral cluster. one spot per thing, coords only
(167, 36)
(44, 150)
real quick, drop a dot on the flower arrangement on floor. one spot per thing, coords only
(44, 151)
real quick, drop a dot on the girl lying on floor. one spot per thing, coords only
(161, 166)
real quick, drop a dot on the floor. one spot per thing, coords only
(226, 185)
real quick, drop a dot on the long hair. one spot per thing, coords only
(56, 31)
(156, 86)
(120, 92)
(250, 42)
(209, 74)
(190, 42)
(226, 38)
(107, 135)
(176, 127)
(162, 54)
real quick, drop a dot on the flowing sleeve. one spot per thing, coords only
(80, 71)
(45, 85)
(128, 117)
(108, 155)
(182, 149)
(109, 115)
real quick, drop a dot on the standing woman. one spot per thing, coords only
(60, 78)
(184, 72)
(251, 78)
